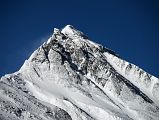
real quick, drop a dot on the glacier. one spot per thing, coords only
(69, 77)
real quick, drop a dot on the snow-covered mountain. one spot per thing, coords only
(71, 77)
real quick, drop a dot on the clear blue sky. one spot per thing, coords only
(129, 27)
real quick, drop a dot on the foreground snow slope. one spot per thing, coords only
(71, 77)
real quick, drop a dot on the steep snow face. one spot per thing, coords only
(71, 32)
(144, 81)
(84, 80)
(18, 103)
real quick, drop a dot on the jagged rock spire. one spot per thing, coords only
(84, 80)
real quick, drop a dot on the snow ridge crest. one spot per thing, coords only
(70, 77)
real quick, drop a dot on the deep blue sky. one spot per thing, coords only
(129, 27)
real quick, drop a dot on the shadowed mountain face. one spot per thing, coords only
(71, 77)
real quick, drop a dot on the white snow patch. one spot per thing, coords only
(120, 66)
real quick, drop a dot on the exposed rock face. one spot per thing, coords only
(71, 77)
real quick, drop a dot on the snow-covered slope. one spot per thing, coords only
(71, 77)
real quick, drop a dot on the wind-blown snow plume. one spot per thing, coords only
(71, 77)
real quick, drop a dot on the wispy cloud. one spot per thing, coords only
(36, 44)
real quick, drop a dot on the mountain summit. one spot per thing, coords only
(70, 77)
